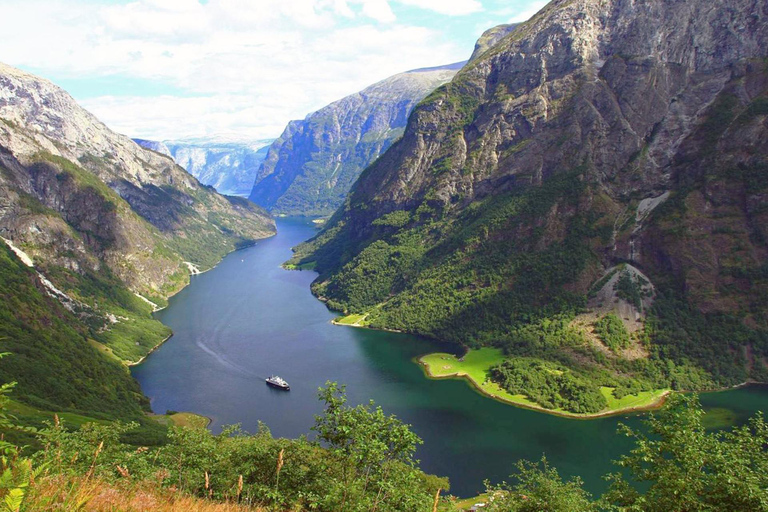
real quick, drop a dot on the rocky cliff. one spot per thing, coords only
(602, 155)
(228, 166)
(108, 228)
(311, 166)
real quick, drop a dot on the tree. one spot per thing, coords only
(539, 488)
(375, 452)
(685, 468)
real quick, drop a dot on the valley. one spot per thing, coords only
(533, 279)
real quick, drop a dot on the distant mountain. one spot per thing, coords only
(159, 147)
(95, 229)
(310, 168)
(589, 193)
(228, 166)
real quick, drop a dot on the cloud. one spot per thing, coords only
(378, 10)
(449, 7)
(529, 12)
(257, 64)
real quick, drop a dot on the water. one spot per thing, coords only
(248, 318)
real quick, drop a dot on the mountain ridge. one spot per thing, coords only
(229, 166)
(311, 166)
(578, 146)
(110, 228)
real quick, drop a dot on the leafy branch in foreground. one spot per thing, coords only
(684, 467)
(374, 451)
(678, 464)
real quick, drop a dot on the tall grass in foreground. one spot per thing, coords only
(98, 495)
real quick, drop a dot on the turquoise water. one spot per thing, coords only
(248, 318)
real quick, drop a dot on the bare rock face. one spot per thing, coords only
(80, 198)
(310, 168)
(228, 166)
(654, 110)
(490, 37)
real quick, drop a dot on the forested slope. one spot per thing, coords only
(107, 231)
(602, 160)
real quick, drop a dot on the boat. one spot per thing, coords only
(277, 382)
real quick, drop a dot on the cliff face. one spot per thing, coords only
(102, 220)
(229, 167)
(122, 200)
(311, 166)
(598, 136)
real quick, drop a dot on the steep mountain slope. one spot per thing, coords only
(604, 162)
(311, 166)
(108, 228)
(228, 166)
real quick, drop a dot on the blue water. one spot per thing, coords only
(249, 318)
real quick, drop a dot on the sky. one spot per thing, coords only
(234, 69)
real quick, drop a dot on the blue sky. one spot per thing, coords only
(170, 69)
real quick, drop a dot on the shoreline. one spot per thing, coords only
(181, 416)
(459, 375)
(136, 363)
(656, 404)
(199, 272)
(130, 364)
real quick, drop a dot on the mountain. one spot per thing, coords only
(156, 146)
(311, 166)
(228, 166)
(98, 231)
(589, 193)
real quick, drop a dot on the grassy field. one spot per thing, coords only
(104, 350)
(356, 320)
(302, 266)
(641, 400)
(182, 419)
(474, 367)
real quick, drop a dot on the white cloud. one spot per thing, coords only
(256, 64)
(529, 12)
(378, 10)
(449, 7)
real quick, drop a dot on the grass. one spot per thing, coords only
(474, 367)
(27, 413)
(108, 352)
(182, 419)
(189, 419)
(99, 495)
(641, 400)
(356, 320)
(310, 265)
(465, 504)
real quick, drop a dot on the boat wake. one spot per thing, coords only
(224, 361)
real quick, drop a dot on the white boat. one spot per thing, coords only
(277, 382)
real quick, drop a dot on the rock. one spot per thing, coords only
(312, 165)
(228, 166)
